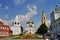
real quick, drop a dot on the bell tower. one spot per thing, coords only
(44, 18)
(16, 21)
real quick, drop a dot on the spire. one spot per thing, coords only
(43, 17)
(17, 21)
(17, 16)
(43, 11)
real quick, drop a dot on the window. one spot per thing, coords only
(5, 28)
(18, 23)
(1, 27)
(15, 22)
(44, 18)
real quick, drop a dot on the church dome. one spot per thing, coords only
(30, 21)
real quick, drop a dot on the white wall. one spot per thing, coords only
(16, 30)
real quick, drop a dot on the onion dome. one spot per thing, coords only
(30, 21)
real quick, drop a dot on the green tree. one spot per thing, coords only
(42, 30)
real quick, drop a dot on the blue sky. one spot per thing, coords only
(9, 8)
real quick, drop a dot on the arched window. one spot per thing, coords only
(15, 22)
(3, 28)
(7, 28)
(44, 18)
(18, 23)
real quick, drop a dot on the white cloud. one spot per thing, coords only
(19, 2)
(48, 21)
(5, 22)
(31, 7)
(37, 25)
(6, 7)
(32, 11)
(35, 7)
(23, 18)
(1, 19)
(28, 16)
(10, 22)
(6, 16)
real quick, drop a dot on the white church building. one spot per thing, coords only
(16, 29)
(30, 28)
(55, 21)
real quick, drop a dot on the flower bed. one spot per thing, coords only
(3, 36)
(28, 36)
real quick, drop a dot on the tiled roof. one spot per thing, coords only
(1, 23)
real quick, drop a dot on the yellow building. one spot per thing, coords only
(44, 19)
